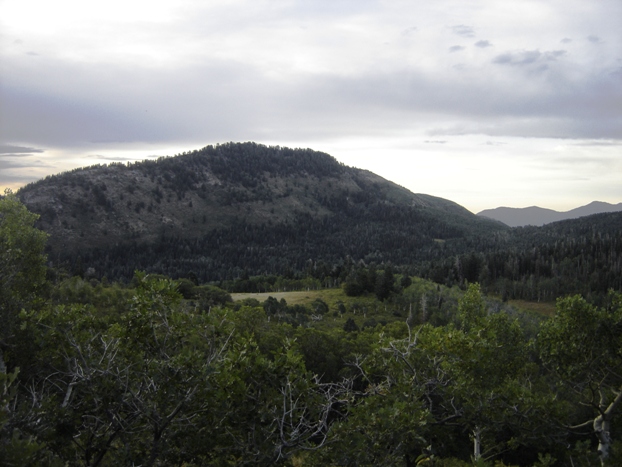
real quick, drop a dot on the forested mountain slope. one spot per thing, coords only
(239, 210)
(238, 207)
(581, 255)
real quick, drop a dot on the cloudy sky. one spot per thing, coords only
(483, 102)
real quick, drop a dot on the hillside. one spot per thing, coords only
(582, 255)
(534, 215)
(238, 208)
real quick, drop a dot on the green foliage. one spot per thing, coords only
(471, 308)
(186, 288)
(581, 345)
(319, 306)
(16, 449)
(22, 263)
(361, 281)
(208, 296)
(100, 379)
(419, 397)
(350, 326)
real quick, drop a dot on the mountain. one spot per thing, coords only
(518, 217)
(238, 208)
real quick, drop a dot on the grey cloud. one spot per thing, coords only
(455, 48)
(599, 143)
(6, 164)
(107, 158)
(554, 54)
(593, 39)
(463, 30)
(14, 155)
(10, 164)
(10, 177)
(10, 149)
(589, 107)
(102, 157)
(483, 44)
(208, 105)
(566, 40)
(527, 57)
(537, 127)
(51, 119)
(435, 141)
(518, 58)
(228, 101)
(133, 105)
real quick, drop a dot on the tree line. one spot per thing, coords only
(537, 264)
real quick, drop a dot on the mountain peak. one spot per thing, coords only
(263, 206)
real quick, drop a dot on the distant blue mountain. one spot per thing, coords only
(534, 215)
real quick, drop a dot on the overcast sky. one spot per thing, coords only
(486, 103)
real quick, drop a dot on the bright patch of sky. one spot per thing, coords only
(485, 103)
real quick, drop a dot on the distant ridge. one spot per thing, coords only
(534, 215)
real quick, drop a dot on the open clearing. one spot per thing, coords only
(542, 308)
(336, 295)
(292, 298)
